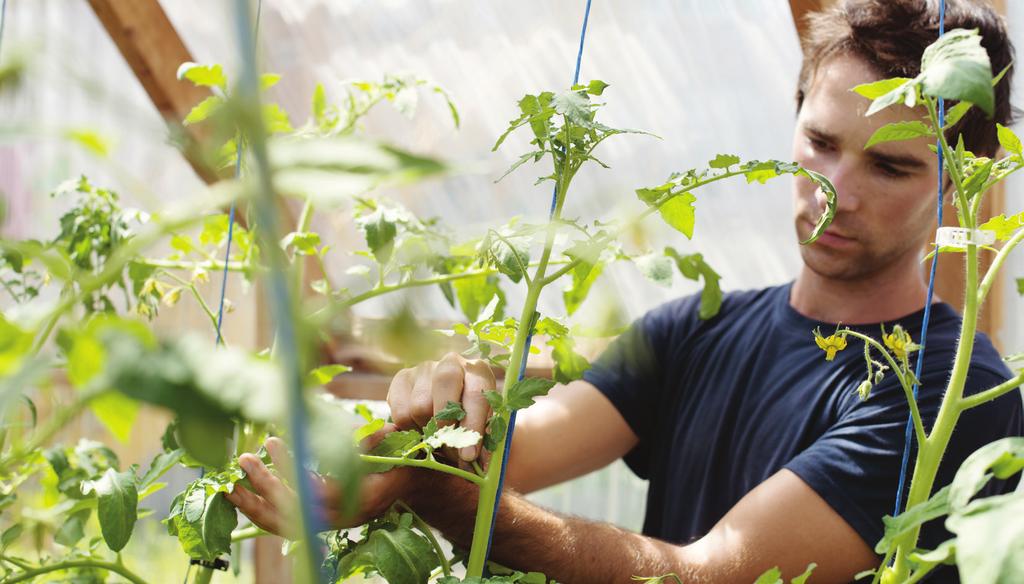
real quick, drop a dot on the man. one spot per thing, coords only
(758, 451)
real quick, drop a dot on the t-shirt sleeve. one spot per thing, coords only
(855, 464)
(630, 372)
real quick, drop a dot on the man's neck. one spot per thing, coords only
(888, 295)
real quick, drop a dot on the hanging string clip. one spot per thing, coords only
(961, 237)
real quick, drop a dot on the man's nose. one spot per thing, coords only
(846, 179)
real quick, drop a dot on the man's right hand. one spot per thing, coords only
(418, 393)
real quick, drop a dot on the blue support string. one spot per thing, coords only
(3, 21)
(931, 293)
(533, 321)
(231, 213)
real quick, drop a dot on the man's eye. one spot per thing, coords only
(819, 145)
(891, 171)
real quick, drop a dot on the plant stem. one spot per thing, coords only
(997, 264)
(992, 393)
(930, 453)
(489, 489)
(184, 265)
(204, 575)
(446, 567)
(245, 533)
(57, 423)
(915, 412)
(71, 564)
(423, 463)
(199, 298)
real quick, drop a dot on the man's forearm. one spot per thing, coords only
(530, 538)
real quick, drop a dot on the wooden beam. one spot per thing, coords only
(949, 278)
(800, 9)
(154, 51)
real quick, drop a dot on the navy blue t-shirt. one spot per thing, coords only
(723, 404)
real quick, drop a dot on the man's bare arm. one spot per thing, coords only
(570, 432)
(782, 522)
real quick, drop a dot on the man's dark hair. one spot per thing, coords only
(891, 35)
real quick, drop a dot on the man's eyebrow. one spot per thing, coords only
(905, 161)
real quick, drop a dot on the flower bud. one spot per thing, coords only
(864, 389)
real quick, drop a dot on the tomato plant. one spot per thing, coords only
(225, 400)
(956, 67)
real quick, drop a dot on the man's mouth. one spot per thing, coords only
(831, 237)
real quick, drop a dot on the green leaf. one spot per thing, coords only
(117, 413)
(656, 267)
(118, 503)
(569, 365)
(990, 539)
(326, 373)
(395, 444)
(90, 140)
(451, 411)
(521, 394)
(575, 106)
(203, 519)
(957, 67)
(596, 87)
(1020, 286)
(944, 554)
(583, 277)
(802, 578)
(936, 506)
(319, 105)
(268, 80)
(495, 400)
(694, 268)
(679, 213)
(304, 242)
(496, 428)
(877, 89)
(957, 112)
(772, 576)
(276, 119)
(724, 161)
(454, 437)
(73, 529)
(398, 553)
(904, 92)
(1003, 457)
(898, 131)
(380, 231)
(1009, 140)
(162, 463)
(510, 254)
(204, 75)
(11, 535)
(203, 110)
(1004, 226)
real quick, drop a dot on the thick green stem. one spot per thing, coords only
(489, 489)
(992, 393)
(118, 569)
(930, 453)
(203, 575)
(209, 266)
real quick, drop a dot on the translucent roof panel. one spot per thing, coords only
(707, 77)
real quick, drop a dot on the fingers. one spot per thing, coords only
(265, 483)
(399, 394)
(478, 379)
(257, 509)
(420, 401)
(280, 456)
(446, 384)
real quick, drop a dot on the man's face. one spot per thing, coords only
(886, 193)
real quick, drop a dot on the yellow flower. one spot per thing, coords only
(831, 344)
(899, 342)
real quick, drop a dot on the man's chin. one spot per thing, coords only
(831, 264)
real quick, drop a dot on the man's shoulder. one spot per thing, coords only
(686, 309)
